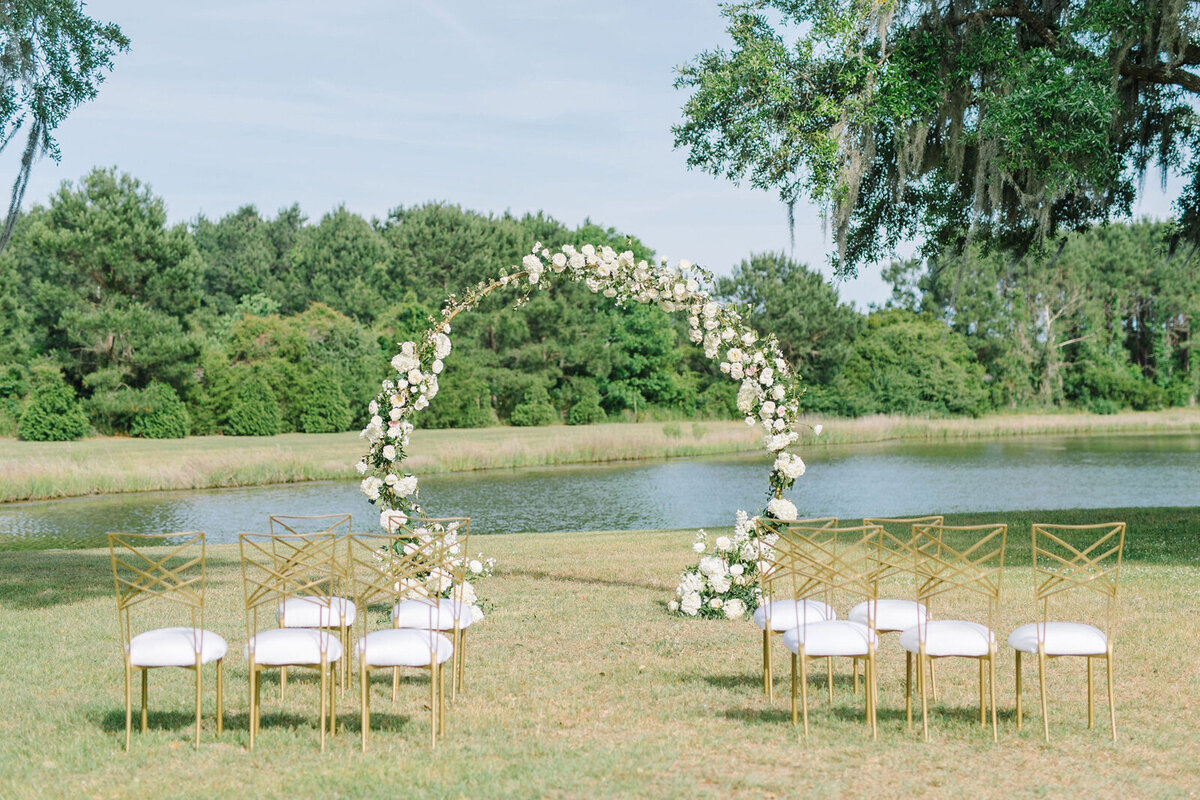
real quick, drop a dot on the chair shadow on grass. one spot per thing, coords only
(32, 579)
(849, 708)
(816, 680)
(543, 575)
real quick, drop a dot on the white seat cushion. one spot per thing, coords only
(1061, 639)
(316, 612)
(949, 637)
(427, 616)
(403, 647)
(832, 638)
(175, 647)
(891, 615)
(293, 646)
(788, 614)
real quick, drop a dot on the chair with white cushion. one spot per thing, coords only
(1067, 557)
(278, 569)
(896, 614)
(171, 568)
(393, 570)
(969, 559)
(300, 612)
(456, 610)
(832, 561)
(781, 610)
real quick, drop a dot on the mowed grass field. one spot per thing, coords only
(45, 470)
(580, 685)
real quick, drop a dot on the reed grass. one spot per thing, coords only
(46, 470)
(579, 685)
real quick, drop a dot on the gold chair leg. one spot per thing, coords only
(1017, 669)
(128, 707)
(1091, 695)
(324, 698)
(795, 690)
(145, 689)
(395, 683)
(804, 688)
(199, 675)
(768, 675)
(932, 682)
(982, 710)
(908, 675)
(220, 696)
(869, 689)
(253, 709)
(1112, 706)
(924, 693)
(333, 692)
(1042, 682)
(282, 682)
(432, 706)
(364, 688)
(442, 695)
(992, 694)
(829, 678)
(461, 650)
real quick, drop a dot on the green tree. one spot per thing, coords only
(161, 414)
(324, 408)
(800, 307)
(988, 120)
(534, 409)
(254, 412)
(53, 58)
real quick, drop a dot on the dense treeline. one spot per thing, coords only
(113, 320)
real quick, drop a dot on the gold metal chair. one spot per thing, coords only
(943, 566)
(774, 616)
(299, 613)
(1091, 563)
(171, 568)
(894, 614)
(276, 569)
(457, 612)
(393, 569)
(831, 560)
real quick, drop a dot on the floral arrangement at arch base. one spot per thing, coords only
(724, 582)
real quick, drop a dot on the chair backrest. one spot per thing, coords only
(896, 541)
(287, 523)
(766, 531)
(277, 567)
(423, 559)
(1086, 557)
(971, 559)
(158, 566)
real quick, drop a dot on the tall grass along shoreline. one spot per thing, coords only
(46, 470)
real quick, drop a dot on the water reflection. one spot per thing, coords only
(891, 479)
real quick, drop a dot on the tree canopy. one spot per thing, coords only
(53, 57)
(951, 121)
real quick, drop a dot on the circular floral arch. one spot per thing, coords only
(724, 582)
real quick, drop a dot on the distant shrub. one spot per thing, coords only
(160, 414)
(587, 409)
(254, 411)
(324, 408)
(535, 409)
(52, 414)
(1102, 405)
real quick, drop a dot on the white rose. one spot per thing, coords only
(361, 466)
(767, 377)
(373, 407)
(673, 606)
(736, 569)
(371, 486)
(724, 543)
(720, 583)
(779, 391)
(389, 520)
(438, 366)
(389, 452)
(405, 486)
(475, 566)
(817, 429)
(714, 603)
(698, 547)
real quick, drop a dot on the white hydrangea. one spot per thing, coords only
(724, 544)
(390, 520)
(404, 363)
(403, 487)
(690, 583)
(782, 508)
(789, 465)
(712, 565)
(747, 396)
(441, 346)
(371, 486)
(734, 608)
(690, 604)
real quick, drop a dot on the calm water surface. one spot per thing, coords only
(889, 479)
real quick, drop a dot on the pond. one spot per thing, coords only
(887, 479)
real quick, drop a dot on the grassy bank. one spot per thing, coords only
(580, 685)
(41, 470)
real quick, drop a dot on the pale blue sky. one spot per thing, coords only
(523, 105)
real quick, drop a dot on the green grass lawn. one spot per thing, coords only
(580, 685)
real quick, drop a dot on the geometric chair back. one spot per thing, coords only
(780, 576)
(896, 541)
(278, 567)
(1094, 564)
(338, 523)
(973, 561)
(176, 575)
(830, 560)
(433, 554)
